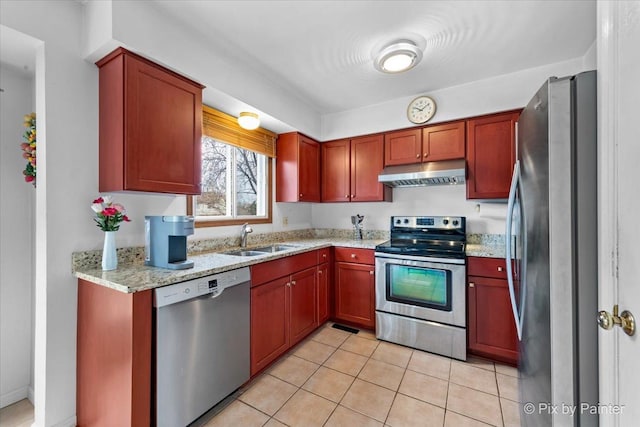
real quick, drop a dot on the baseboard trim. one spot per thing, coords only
(14, 396)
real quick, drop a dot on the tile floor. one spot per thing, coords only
(335, 378)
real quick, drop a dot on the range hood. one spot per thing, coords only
(422, 174)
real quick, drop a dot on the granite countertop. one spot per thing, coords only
(485, 245)
(137, 277)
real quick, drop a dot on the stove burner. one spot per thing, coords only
(435, 236)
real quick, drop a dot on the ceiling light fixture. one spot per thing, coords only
(397, 57)
(249, 121)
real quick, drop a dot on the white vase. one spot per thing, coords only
(109, 256)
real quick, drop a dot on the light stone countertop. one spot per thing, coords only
(137, 277)
(487, 251)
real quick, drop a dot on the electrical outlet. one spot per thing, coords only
(285, 220)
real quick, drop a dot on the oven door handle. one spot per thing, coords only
(508, 241)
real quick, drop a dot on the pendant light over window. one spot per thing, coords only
(249, 121)
(399, 56)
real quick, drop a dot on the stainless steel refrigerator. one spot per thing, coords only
(551, 237)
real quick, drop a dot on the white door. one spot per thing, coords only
(619, 206)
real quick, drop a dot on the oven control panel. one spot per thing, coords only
(433, 222)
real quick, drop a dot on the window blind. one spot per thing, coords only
(225, 128)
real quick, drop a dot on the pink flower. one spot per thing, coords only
(126, 218)
(118, 207)
(29, 178)
(109, 211)
(98, 200)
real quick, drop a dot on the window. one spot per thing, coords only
(236, 173)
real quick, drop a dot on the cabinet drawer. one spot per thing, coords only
(354, 255)
(271, 270)
(324, 255)
(487, 267)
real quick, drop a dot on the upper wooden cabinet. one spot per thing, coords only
(403, 147)
(150, 127)
(443, 142)
(350, 169)
(491, 154)
(431, 143)
(297, 168)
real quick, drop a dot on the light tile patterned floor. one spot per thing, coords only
(335, 378)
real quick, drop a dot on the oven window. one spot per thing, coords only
(424, 287)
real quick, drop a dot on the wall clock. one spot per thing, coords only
(421, 109)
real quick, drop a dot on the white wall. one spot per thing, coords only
(16, 240)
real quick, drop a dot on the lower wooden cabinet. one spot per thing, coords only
(491, 327)
(303, 304)
(324, 310)
(269, 322)
(283, 309)
(355, 287)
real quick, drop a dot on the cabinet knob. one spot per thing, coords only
(288, 284)
(500, 268)
(417, 156)
(293, 282)
(371, 272)
(472, 285)
(426, 154)
(347, 196)
(324, 255)
(353, 195)
(353, 256)
(300, 194)
(319, 271)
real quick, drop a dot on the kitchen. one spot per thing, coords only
(69, 127)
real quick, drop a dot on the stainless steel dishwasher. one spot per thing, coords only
(201, 344)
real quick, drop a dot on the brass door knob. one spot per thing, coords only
(625, 320)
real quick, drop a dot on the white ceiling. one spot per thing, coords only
(323, 50)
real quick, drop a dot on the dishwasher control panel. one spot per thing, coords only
(212, 285)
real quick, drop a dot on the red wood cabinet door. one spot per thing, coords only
(367, 161)
(403, 147)
(491, 153)
(443, 142)
(269, 322)
(303, 304)
(355, 294)
(163, 127)
(492, 330)
(323, 293)
(336, 171)
(308, 170)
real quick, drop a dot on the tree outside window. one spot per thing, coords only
(234, 183)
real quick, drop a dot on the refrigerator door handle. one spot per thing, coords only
(508, 241)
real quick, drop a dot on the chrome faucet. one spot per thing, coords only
(246, 229)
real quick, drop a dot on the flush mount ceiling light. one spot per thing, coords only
(397, 57)
(249, 121)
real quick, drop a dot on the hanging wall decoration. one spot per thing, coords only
(29, 148)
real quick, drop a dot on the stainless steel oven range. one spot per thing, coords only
(420, 285)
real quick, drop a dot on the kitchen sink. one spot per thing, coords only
(274, 248)
(244, 253)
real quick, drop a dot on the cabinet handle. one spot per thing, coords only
(288, 284)
(417, 156)
(353, 195)
(324, 255)
(472, 285)
(347, 196)
(500, 268)
(353, 256)
(319, 271)
(293, 282)
(426, 154)
(371, 272)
